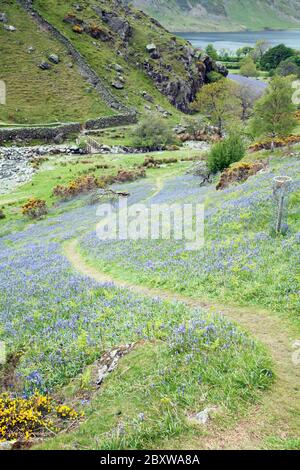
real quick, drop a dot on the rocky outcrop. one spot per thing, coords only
(182, 91)
(175, 68)
(116, 23)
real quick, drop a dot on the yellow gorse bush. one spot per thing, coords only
(22, 418)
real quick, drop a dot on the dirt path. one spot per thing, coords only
(278, 414)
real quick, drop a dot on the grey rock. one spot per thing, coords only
(78, 7)
(30, 49)
(44, 66)
(7, 445)
(203, 416)
(155, 55)
(117, 23)
(118, 85)
(3, 18)
(9, 27)
(147, 97)
(151, 47)
(118, 68)
(54, 58)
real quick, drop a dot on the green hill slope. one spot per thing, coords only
(108, 39)
(223, 15)
(35, 95)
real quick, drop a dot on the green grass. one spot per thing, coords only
(257, 268)
(103, 56)
(61, 170)
(36, 96)
(152, 404)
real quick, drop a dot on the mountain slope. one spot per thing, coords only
(35, 95)
(105, 66)
(223, 15)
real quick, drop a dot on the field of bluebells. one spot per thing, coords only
(60, 321)
(241, 260)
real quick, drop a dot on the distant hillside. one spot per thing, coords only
(223, 15)
(110, 59)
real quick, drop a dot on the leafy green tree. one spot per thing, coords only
(248, 67)
(288, 67)
(274, 111)
(214, 76)
(218, 102)
(212, 52)
(152, 132)
(272, 58)
(224, 153)
(244, 51)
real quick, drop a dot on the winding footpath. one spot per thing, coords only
(278, 414)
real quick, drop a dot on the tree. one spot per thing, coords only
(248, 67)
(244, 51)
(274, 111)
(153, 132)
(218, 102)
(212, 52)
(247, 96)
(230, 150)
(288, 67)
(260, 49)
(272, 58)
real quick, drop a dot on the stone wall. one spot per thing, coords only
(39, 133)
(111, 121)
(63, 131)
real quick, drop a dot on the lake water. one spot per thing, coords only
(233, 41)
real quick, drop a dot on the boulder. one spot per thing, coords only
(54, 58)
(117, 23)
(44, 66)
(151, 47)
(155, 55)
(9, 27)
(117, 84)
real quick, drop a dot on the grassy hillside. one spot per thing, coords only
(223, 15)
(35, 95)
(61, 93)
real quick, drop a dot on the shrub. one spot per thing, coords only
(214, 77)
(85, 184)
(82, 184)
(23, 418)
(239, 172)
(2, 215)
(248, 67)
(230, 150)
(153, 132)
(35, 208)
